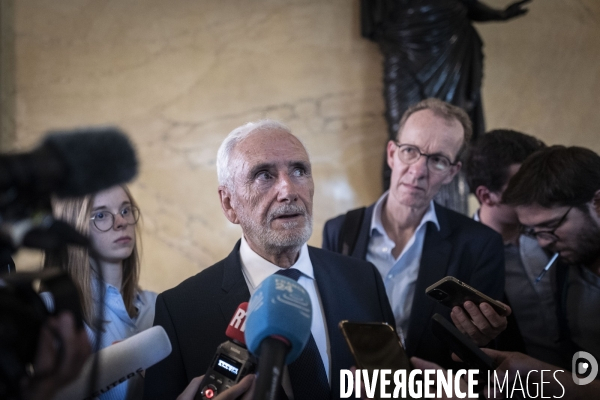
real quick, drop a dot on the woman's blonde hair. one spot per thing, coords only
(76, 260)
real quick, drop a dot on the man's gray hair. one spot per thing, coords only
(236, 136)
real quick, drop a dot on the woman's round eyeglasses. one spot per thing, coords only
(105, 220)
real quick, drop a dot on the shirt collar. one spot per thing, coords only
(257, 269)
(377, 224)
(110, 290)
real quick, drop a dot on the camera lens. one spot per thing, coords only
(438, 294)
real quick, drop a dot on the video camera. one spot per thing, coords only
(66, 164)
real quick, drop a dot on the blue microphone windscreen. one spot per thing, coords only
(280, 306)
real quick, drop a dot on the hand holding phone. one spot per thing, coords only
(451, 292)
(474, 313)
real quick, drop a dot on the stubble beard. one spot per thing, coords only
(587, 251)
(290, 238)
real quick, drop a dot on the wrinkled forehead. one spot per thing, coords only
(268, 146)
(433, 132)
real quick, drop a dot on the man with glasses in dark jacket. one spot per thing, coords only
(414, 242)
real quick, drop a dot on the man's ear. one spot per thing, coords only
(391, 153)
(453, 171)
(226, 204)
(485, 197)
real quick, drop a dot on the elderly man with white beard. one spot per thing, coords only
(266, 186)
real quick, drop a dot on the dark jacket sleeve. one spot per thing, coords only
(488, 271)
(156, 385)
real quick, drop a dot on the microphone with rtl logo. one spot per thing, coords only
(232, 361)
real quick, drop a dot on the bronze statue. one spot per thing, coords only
(431, 49)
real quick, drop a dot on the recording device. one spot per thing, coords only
(118, 363)
(461, 345)
(67, 164)
(232, 361)
(22, 315)
(451, 292)
(277, 329)
(375, 345)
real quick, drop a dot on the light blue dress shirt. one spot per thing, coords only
(119, 326)
(399, 274)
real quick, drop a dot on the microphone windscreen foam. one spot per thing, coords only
(119, 362)
(279, 307)
(95, 159)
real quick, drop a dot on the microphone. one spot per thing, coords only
(237, 325)
(231, 362)
(277, 329)
(71, 163)
(118, 363)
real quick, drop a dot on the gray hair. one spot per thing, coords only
(236, 136)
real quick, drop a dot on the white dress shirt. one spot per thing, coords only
(399, 274)
(256, 269)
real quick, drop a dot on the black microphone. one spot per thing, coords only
(71, 163)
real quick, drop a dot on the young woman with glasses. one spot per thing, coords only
(109, 219)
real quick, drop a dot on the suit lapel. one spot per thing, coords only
(234, 285)
(433, 267)
(333, 309)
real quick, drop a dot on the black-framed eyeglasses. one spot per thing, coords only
(548, 235)
(410, 154)
(105, 220)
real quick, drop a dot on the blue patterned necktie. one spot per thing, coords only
(307, 373)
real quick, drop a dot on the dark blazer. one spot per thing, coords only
(462, 248)
(195, 315)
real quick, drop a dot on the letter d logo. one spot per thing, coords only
(581, 367)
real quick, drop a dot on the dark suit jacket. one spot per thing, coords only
(462, 248)
(196, 313)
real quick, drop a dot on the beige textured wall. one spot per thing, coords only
(179, 75)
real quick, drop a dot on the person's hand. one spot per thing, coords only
(423, 365)
(515, 9)
(62, 351)
(482, 324)
(244, 388)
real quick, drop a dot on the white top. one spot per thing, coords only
(256, 269)
(399, 274)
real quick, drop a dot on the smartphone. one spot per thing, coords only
(451, 292)
(374, 345)
(461, 345)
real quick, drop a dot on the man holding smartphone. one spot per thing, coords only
(414, 242)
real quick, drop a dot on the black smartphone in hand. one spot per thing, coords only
(451, 292)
